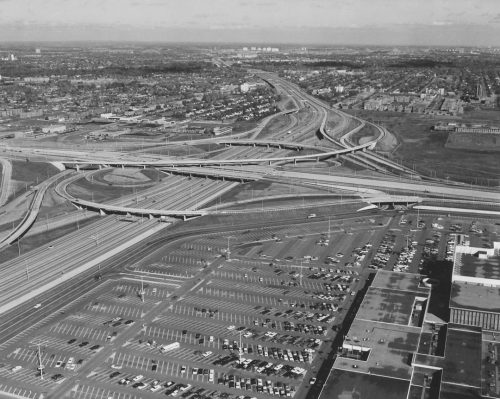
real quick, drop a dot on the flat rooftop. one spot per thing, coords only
(475, 297)
(398, 281)
(391, 347)
(462, 363)
(351, 385)
(388, 306)
(472, 266)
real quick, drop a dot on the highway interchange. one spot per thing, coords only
(126, 285)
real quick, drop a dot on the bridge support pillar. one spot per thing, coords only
(123, 166)
(77, 168)
(279, 146)
(100, 166)
(184, 217)
(151, 217)
(102, 213)
(317, 159)
(363, 149)
(295, 161)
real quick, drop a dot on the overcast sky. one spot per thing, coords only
(440, 22)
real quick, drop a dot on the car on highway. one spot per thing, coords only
(37, 306)
(312, 381)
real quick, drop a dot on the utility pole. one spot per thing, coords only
(40, 365)
(228, 251)
(240, 351)
(142, 292)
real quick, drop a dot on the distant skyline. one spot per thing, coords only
(359, 22)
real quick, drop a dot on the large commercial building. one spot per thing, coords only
(401, 344)
(475, 293)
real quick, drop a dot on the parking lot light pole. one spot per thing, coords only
(240, 351)
(141, 292)
(228, 251)
(40, 364)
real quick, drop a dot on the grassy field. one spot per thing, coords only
(424, 150)
(276, 124)
(32, 172)
(84, 189)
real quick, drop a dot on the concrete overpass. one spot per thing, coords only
(76, 162)
(30, 217)
(276, 144)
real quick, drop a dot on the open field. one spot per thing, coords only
(424, 150)
(26, 174)
(276, 124)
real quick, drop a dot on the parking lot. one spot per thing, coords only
(254, 322)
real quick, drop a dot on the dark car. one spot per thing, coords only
(93, 348)
(83, 344)
(114, 374)
(72, 341)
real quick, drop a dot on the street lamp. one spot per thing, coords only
(96, 238)
(228, 251)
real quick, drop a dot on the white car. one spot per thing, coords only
(155, 388)
(138, 378)
(206, 354)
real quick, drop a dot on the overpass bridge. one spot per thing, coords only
(270, 143)
(104, 208)
(76, 163)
